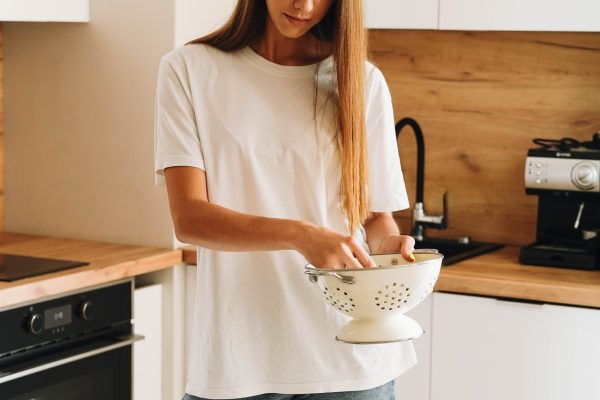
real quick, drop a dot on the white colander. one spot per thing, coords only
(377, 298)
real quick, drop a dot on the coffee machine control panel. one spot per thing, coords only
(570, 174)
(564, 175)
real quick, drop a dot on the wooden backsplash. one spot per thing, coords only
(481, 97)
(1, 131)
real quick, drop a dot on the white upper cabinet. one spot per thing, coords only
(401, 14)
(520, 15)
(194, 18)
(45, 10)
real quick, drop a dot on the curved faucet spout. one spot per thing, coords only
(420, 219)
(420, 153)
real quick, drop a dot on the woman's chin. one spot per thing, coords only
(293, 33)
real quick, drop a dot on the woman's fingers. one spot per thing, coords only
(402, 244)
(407, 247)
(324, 248)
(363, 257)
(348, 255)
(352, 263)
(335, 251)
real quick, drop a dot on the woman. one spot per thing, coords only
(276, 141)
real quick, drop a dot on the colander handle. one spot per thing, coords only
(313, 276)
(426, 251)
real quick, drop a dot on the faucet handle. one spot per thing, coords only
(420, 218)
(444, 222)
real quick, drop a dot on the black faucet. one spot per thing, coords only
(420, 219)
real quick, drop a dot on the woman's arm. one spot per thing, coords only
(199, 222)
(383, 236)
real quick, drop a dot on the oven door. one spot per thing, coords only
(97, 371)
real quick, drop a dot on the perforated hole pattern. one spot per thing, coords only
(429, 287)
(392, 297)
(339, 298)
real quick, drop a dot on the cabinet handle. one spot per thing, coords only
(525, 302)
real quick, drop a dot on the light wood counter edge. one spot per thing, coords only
(82, 277)
(534, 291)
(131, 261)
(499, 274)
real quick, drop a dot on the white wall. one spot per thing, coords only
(79, 117)
(79, 109)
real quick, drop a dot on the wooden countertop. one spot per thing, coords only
(496, 274)
(107, 262)
(499, 274)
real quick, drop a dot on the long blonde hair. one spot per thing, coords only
(342, 28)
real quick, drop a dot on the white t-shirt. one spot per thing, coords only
(259, 325)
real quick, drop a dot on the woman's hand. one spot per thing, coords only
(384, 236)
(398, 244)
(325, 248)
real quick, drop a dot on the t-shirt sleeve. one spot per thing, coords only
(176, 138)
(387, 188)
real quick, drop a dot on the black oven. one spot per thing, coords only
(71, 347)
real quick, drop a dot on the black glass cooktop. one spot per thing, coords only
(14, 267)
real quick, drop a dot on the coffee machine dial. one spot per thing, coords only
(584, 175)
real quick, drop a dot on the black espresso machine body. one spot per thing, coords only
(566, 179)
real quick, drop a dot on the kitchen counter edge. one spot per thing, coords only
(107, 262)
(499, 274)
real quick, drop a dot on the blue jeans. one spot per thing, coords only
(383, 392)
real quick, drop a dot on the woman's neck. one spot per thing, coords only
(289, 51)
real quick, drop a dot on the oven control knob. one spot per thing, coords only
(87, 311)
(35, 324)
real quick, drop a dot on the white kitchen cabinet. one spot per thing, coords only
(195, 18)
(45, 10)
(147, 354)
(401, 14)
(520, 15)
(483, 348)
(159, 306)
(414, 384)
(190, 293)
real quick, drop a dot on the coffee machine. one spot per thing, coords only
(565, 175)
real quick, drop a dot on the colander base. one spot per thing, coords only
(397, 328)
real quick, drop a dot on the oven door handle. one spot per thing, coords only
(123, 342)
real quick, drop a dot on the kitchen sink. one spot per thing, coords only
(455, 250)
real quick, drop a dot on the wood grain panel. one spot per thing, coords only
(481, 97)
(1, 130)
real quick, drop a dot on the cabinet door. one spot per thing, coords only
(190, 297)
(484, 348)
(45, 10)
(520, 15)
(147, 354)
(414, 384)
(407, 14)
